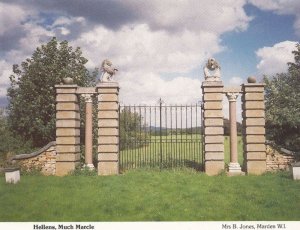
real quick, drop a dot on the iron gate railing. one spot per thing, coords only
(163, 136)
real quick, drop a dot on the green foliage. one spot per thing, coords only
(32, 91)
(10, 144)
(283, 105)
(132, 131)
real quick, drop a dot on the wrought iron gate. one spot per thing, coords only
(162, 136)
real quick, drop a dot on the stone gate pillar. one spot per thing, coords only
(254, 128)
(67, 129)
(108, 128)
(212, 92)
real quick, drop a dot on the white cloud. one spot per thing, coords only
(215, 16)
(274, 59)
(236, 81)
(11, 17)
(5, 72)
(164, 37)
(147, 88)
(281, 7)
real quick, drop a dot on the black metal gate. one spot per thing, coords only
(161, 136)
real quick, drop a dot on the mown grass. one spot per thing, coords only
(175, 150)
(149, 195)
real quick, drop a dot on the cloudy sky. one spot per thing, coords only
(159, 47)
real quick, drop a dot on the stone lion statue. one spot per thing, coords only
(212, 70)
(108, 71)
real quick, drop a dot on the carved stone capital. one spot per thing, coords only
(87, 97)
(232, 96)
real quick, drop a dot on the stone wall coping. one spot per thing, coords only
(283, 150)
(237, 89)
(212, 84)
(86, 90)
(253, 84)
(35, 153)
(66, 86)
(107, 85)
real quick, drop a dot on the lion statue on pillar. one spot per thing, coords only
(212, 70)
(108, 71)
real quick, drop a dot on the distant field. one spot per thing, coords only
(177, 151)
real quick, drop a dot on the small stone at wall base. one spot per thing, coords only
(296, 171)
(12, 175)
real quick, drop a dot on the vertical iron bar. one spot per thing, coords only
(160, 131)
(176, 147)
(172, 158)
(150, 137)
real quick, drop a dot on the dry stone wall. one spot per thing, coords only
(43, 160)
(279, 158)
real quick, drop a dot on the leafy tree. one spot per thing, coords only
(283, 105)
(133, 133)
(32, 92)
(10, 143)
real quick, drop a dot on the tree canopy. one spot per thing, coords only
(283, 105)
(32, 90)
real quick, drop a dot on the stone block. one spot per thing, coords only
(12, 176)
(236, 89)
(213, 168)
(108, 140)
(67, 123)
(67, 148)
(254, 139)
(69, 106)
(255, 147)
(66, 98)
(214, 139)
(256, 156)
(109, 148)
(108, 114)
(108, 168)
(254, 121)
(254, 96)
(67, 115)
(255, 130)
(256, 167)
(214, 147)
(86, 90)
(108, 157)
(60, 132)
(254, 105)
(68, 157)
(212, 84)
(61, 89)
(212, 97)
(214, 156)
(108, 123)
(213, 130)
(254, 88)
(213, 105)
(64, 168)
(67, 140)
(108, 106)
(108, 131)
(111, 97)
(213, 122)
(213, 114)
(212, 89)
(254, 113)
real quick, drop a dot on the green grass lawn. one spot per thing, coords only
(149, 195)
(177, 150)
